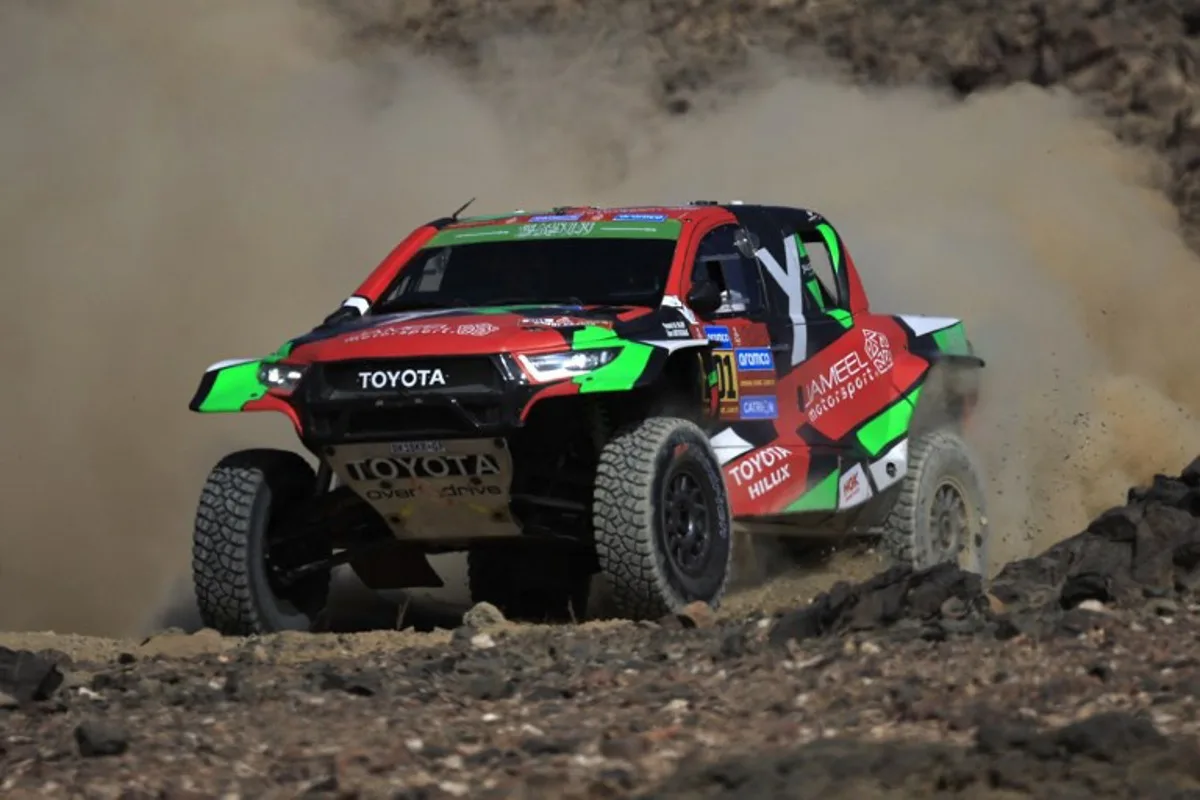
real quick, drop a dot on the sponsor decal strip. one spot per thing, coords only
(848, 376)
(428, 329)
(759, 407)
(668, 229)
(762, 471)
(719, 336)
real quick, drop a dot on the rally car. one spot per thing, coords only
(590, 393)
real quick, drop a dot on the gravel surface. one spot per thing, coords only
(1076, 674)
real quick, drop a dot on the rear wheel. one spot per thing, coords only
(246, 570)
(940, 514)
(661, 519)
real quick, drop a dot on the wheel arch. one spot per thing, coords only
(234, 386)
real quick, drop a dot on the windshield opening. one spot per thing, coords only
(568, 271)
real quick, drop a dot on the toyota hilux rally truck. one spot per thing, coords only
(585, 391)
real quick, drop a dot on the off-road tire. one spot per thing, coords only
(246, 496)
(937, 458)
(635, 468)
(529, 586)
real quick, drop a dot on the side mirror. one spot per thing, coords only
(746, 244)
(343, 314)
(704, 298)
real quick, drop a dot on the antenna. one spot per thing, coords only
(461, 209)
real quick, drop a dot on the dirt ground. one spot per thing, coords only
(198, 180)
(1075, 673)
(619, 710)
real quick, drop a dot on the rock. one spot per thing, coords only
(899, 594)
(28, 677)
(1095, 606)
(1149, 547)
(361, 684)
(463, 634)
(483, 615)
(697, 615)
(96, 738)
(996, 605)
(8, 702)
(482, 641)
(954, 608)
(1191, 474)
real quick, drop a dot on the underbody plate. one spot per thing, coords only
(451, 489)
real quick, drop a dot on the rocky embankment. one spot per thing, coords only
(1074, 674)
(1135, 63)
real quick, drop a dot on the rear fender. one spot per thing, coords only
(950, 389)
(939, 339)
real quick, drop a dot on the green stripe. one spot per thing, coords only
(842, 316)
(233, 388)
(953, 340)
(814, 289)
(890, 425)
(820, 497)
(619, 375)
(538, 231)
(801, 250)
(831, 242)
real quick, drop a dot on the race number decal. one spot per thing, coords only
(727, 383)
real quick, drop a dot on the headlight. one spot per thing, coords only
(280, 376)
(557, 366)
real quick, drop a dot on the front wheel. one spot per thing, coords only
(661, 519)
(252, 574)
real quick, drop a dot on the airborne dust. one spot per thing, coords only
(189, 181)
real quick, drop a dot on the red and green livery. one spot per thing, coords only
(587, 392)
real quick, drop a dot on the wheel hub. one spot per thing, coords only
(948, 520)
(687, 523)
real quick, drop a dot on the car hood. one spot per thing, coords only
(526, 329)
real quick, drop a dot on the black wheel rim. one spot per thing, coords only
(949, 521)
(688, 514)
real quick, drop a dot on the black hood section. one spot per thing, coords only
(333, 326)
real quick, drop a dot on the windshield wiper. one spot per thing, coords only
(421, 305)
(536, 301)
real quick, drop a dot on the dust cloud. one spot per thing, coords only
(191, 181)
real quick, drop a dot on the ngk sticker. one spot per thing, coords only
(853, 488)
(761, 471)
(849, 375)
